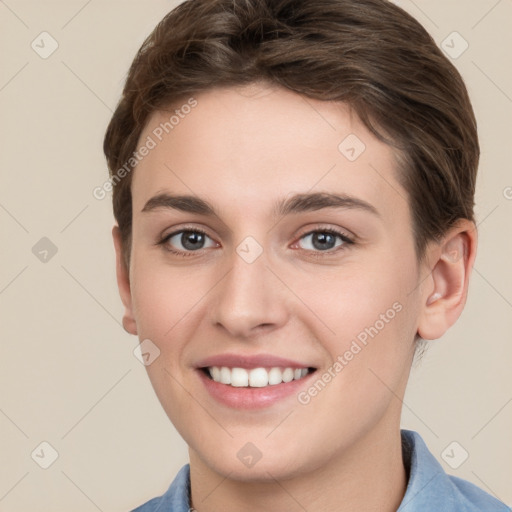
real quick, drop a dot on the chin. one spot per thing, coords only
(250, 464)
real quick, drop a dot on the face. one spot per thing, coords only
(291, 257)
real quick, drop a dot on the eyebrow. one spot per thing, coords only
(297, 203)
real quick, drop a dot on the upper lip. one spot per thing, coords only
(250, 361)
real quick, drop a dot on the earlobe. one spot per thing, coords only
(445, 291)
(123, 283)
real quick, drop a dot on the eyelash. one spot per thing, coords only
(183, 230)
(315, 254)
(324, 254)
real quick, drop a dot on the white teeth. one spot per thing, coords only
(256, 377)
(239, 378)
(275, 376)
(288, 375)
(225, 375)
(215, 373)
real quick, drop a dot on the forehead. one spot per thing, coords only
(254, 144)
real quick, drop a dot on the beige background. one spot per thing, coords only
(68, 375)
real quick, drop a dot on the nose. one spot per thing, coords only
(249, 299)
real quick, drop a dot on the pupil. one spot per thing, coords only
(321, 239)
(191, 240)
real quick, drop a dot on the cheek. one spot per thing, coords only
(353, 297)
(163, 297)
(370, 353)
(365, 320)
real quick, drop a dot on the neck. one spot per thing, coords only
(368, 477)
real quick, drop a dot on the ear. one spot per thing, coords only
(446, 289)
(123, 283)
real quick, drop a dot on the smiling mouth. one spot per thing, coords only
(255, 377)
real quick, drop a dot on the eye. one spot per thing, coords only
(186, 242)
(190, 240)
(325, 240)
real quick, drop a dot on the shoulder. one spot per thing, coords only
(176, 498)
(474, 498)
(431, 488)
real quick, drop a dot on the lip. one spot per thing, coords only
(246, 397)
(252, 398)
(250, 362)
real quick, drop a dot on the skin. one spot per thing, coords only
(242, 149)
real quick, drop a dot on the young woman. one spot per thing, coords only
(293, 183)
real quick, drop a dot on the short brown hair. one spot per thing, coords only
(368, 53)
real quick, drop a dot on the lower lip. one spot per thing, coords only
(252, 398)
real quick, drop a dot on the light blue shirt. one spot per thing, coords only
(429, 488)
